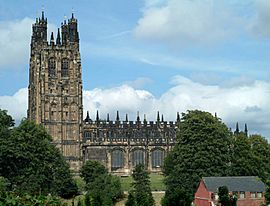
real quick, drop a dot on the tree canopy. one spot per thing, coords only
(141, 194)
(103, 189)
(31, 163)
(202, 149)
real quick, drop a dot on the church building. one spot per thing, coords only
(55, 101)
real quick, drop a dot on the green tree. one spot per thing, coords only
(260, 151)
(5, 119)
(226, 199)
(142, 187)
(103, 188)
(131, 201)
(223, 194)
(250, 156)
(241, 156)
(176, 197)
(202, 149)
(267, 192)
(92, 170)
(32, 164)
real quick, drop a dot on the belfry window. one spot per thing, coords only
(64, 68)
(51, 67)
(117, 159)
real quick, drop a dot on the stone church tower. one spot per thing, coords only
(55, 86)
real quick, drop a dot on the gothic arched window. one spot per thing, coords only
(117, 159)
(157, 158)
(51, 67)
(138, 157)
(64, 68)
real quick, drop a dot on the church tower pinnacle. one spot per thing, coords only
(55, 86)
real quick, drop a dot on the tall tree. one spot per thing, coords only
(250, 156)
(103, 189)
(32, 164)
(202, 149)
(141, 193)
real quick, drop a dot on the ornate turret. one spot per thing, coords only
(39, 33)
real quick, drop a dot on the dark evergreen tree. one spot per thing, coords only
(103, 188)
(202, 149)
(223, 195)
(142, 188)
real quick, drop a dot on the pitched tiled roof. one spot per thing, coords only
(241, 183)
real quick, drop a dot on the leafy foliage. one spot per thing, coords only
(226, 199)
(202, 149)
(141, 195)
(176, 196)
(267, 192)
(10, 198)
(31, 163)
(250, 156)
(103, 188)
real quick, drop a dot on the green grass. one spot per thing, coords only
(156, 182)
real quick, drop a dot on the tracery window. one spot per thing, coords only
(138, 157)
(117, 159)
(157, 158)
(64, 68)
(51, 67)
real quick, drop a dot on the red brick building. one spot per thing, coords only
(248, 189)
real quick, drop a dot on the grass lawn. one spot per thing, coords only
(156, 182)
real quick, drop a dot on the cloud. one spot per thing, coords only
(260, 24)
(139, 82)
(15, 41)
(239, 103)
(244, 103)
(16, 104)
(178, 23)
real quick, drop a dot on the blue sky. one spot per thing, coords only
(149, 55)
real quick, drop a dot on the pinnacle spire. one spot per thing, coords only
(178, 117)
(108, 117)
(138, 116)
(42, 15)
(162, 119)
(87, 119)
(144, 118)
(237, 128)
(117, 116)
(52, 38)
(126, 117)
(97, 117)
(58, 39)
(246, 130)
(158, 118)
